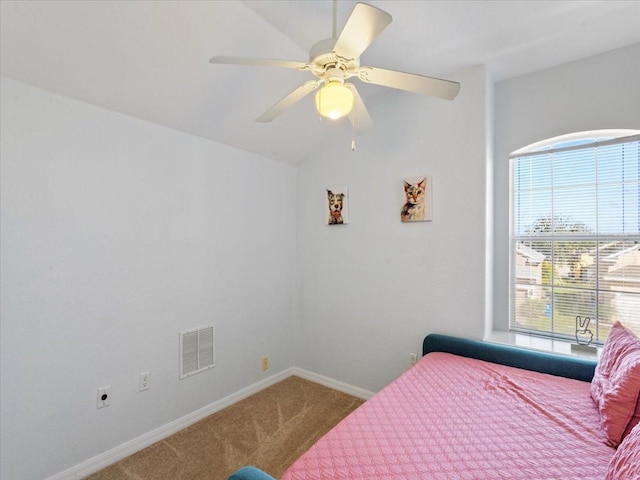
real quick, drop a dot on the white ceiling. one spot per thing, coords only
(149, 59)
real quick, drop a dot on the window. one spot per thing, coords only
(575, 235)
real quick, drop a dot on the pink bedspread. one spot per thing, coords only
(451, 417)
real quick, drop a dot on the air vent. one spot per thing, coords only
(196, 351)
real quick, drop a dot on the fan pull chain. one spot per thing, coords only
(353, 129)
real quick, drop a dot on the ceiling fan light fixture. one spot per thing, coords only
(334, 100)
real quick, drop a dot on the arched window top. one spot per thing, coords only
(576, 139)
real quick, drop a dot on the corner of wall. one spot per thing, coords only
(489, 199)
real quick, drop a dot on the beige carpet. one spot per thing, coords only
(269, 430)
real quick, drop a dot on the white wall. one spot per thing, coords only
(371, 290)
(116, 235)
(595, 93)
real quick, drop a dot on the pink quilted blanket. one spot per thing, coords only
(451, 417)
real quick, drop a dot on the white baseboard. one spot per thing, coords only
(132, 446)
(331, 383)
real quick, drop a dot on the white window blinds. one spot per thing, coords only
(575, 237)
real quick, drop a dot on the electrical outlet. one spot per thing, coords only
(145, 381)
(413, 358)
(265, 364)
(104, 396)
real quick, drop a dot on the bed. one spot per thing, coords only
(475, 410)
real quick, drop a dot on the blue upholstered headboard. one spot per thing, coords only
(554, 364)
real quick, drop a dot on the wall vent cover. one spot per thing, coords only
(196, 351)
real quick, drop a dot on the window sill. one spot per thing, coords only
(533, 342)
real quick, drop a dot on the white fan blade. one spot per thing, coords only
(288, 101)
(359, 118)
(362, 28)
(262, 62)
(411, 82)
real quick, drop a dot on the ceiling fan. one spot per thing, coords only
(334, 61)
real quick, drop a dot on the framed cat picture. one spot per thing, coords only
(416, 197)
(336, 201)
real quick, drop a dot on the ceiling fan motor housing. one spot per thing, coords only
(324, 60)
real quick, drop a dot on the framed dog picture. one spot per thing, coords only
(336, 200)
(416, 197)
